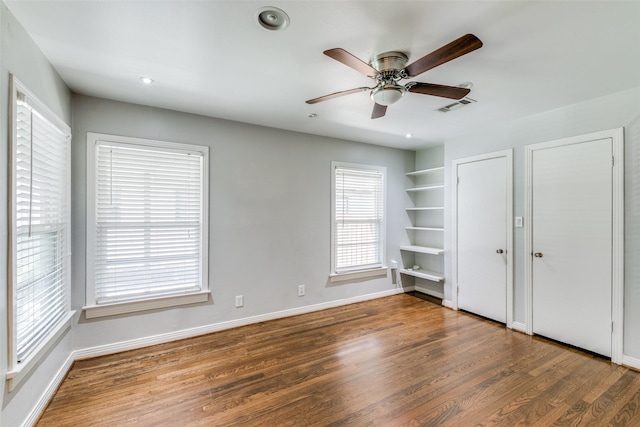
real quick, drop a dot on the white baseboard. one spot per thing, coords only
(51, 389)
(521, 327)
(631, 362)
(447, 303)
(207, 329)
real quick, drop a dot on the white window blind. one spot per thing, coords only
(358, 219)
(40, 225)
(148, 222)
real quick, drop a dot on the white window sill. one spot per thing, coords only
(354, 275)
(93, 311)
(18, 372)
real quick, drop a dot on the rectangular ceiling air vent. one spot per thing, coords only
(458, 104)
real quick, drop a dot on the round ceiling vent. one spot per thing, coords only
(272, 19)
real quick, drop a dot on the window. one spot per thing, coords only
(146, 224)
(39, 267)
(358, 218)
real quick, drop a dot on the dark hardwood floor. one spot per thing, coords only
(396, 361)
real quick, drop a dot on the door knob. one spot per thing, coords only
(499, 251)
(538, 255)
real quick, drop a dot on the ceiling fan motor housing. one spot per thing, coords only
(389, 61)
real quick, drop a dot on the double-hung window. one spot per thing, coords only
(147, 224)
(358, 220)
(39, 242)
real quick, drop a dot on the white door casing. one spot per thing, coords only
(482, 235)
(574, 258)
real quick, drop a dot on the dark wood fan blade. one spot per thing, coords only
(337, 94)
(452, 92)
(463, 45)
(378, 111)
(349, 60)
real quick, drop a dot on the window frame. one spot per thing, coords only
(92, 309)
(365, 272)
(18, 369)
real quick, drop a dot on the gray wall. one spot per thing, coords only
(616, 110)
(20, 56)
(269, 215)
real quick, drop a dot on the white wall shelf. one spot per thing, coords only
(422, 249)
(425, 208)
(425, 228)
(426, 187)
(425, 274)
(425, 171)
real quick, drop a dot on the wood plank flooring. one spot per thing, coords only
(396, 361)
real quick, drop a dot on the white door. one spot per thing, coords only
(482, 237)
(572, 244)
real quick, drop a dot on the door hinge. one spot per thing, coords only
(613, 161)
(458, 180)
(612, 326)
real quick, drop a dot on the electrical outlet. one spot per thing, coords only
(300, 290)
(239, 300)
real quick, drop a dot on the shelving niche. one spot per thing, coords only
(426, 232)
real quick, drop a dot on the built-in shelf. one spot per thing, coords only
(424, 208)
(425, 228)
(427, 193)
(426, 187)
(424, 274)
(425, 171)
(422, 250)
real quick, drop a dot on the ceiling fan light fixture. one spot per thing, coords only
(387, 95)
(272, 19)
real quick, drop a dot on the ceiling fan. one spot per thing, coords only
(388, 68)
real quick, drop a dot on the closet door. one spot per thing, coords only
(572, 244)
(482, 208)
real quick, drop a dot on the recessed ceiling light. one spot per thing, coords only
(272, 19)
(312, 115)
(409, 135)
(146, 80)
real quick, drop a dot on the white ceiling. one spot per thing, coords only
(212, 58)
